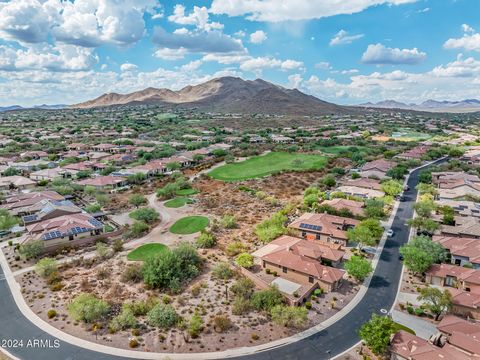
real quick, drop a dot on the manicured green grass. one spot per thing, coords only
(399, 327)
(143, 252)
(187, 192)
(189, 225)
(409, 135)
(336, 150)
(271, 163)
(178, 202)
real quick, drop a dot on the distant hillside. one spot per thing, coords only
(44, 107)
(227, 95)
(469, 105)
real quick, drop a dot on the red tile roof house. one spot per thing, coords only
(365, 183)
(323, 227)
(104, 182)
(18, 203)
(356, 208)
(78, 146)
(444, 178)
(300, 261)
(414, 154)
(406, 346)
(462, 250)
(64, 229)
(464, 227)
(376, 169)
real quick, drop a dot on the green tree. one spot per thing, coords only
(31, 249)
(146, 214)
(374, 208)
(423, 224)
(137, 200)
(358, 267)
(420, 253)
(425, 208)
(11, 172)
(362, 235)
(86, 307)
(392, 187)
(271, 228)
(436, 301)
(244, 260)
(7, 221)
(46, 267)
(329, 181)
(376, 333)
(398, 172)
(425, 177)
(265, 300)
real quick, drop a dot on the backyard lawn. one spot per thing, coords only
(143, 252)
(189, 225)
(178, 202)
(399, 327)
(271, 163)
(187, 192)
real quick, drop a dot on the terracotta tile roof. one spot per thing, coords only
(364, 183)
(380, 164)
(302, 247)
(305, 265)
(355, 207)
(102, 181)
(464, 298)
(329, 225)
(403, 343)
(23, 200)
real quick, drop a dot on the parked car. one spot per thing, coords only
(406, 188)
(390, 233)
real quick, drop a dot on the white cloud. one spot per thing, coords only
(469, 42)
(323, 65)
(240, 33)
(47, 57)
(294, 81)
(258, 37)
(270, 10)
(467, 28)
(380, 54)
(342, 37)
(198, 41)
(461, 68)
(199, 17)
(128, 67)
(192, 65)
(170, 54)
(87, 23)
(291, 65)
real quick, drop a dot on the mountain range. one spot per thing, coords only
(44, 107)
(469, 105)
(227, 95)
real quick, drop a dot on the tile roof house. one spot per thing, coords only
(323, 227)
(462, 250)
(16, 182)
(360, 192)
(18, 203)
(64, 228)
(365, 183)
(462, 208)
(300, 261)
(464, 227)
(47, 174)
(104, 182)
(414, 154)
(406, 346)
(327, 253)
(49, 209)
(356, 208)
(377, 168)
(445, 179)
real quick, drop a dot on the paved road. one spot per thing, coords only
(323, 345)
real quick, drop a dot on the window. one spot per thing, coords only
(304, 233)
(311, 279)
(284, 269)
(317, 236)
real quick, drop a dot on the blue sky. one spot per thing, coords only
(57, 51)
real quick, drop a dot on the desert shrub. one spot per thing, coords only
(137, 229)
(241, 306)
(145, 214)
(142, 307)
(308, 305)
(133, 343)
(195, 325)
(221, 323)
(162, 316)
(170, 269)
(125, 320)
(46, 266)
(290, 316)
(265, 300)
(132, 273)
(228, 222)
(234, 248)
(86, 307)
(271, 228)
(243, 288)
(51, 313)
(101, 250)
(206, 240)
(410, 310)
(117, 245)
(244, 260)
(223, 271)
(31, 249)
